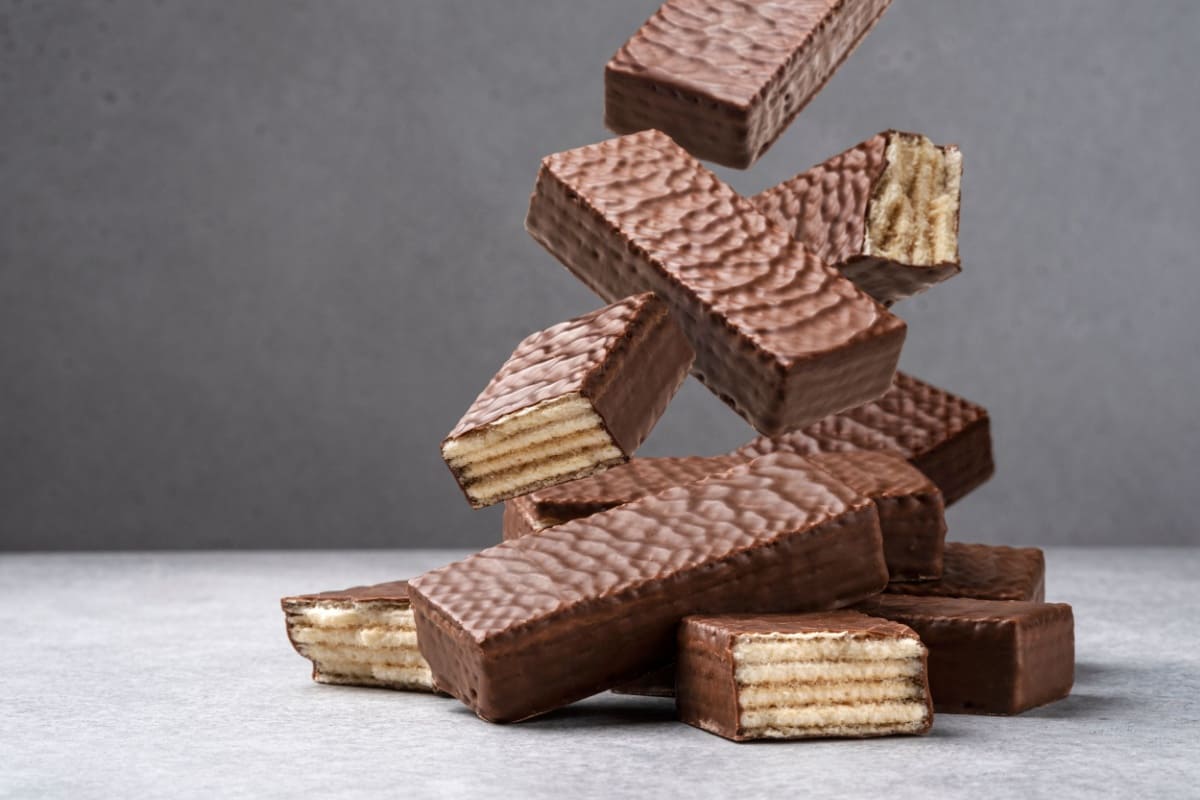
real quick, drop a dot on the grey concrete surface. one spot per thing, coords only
(169, 675)
(257, 257)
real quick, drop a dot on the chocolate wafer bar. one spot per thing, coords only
(945, 436)
(724, 77)
(884, 212)
(541, 621)
(780, 336)
(572, 399)
(984, 572)
(911, 514)
(988, 656)
(802, 676)
(364, 636)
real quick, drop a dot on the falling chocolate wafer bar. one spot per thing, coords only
(572, 399)
(780, 336)
(988, 656)
(945, 436)
(802, 676)
(541, 621)
(911, 514)
(884, 212)
(364, 636)
(725, 77)
(984, 572)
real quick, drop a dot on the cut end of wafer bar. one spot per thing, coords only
(912, 217)
(573, 399)
(839, 674)
(359, 637)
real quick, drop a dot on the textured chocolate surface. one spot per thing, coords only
(945, 436)
(911, 513)
(988, 656)
(984, 572)
(627, 359)
(538, 622)
(707, 695)
(781, 337)
(392, 592)
(725, 78)
(827, 208)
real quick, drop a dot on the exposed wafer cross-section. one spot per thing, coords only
(802, 676)
(573, 399)
(913, 214)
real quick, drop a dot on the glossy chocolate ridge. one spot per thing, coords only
(827, 208)
(628, 359)
(725, 78)
(911, 514)
(988, 656)
(539, 622)
(984, 572)
(945, 436)
(707, 696)
(780, 336)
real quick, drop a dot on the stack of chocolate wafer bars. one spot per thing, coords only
(799, 586)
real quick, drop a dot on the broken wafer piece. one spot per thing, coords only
(364, 636)
(945, 436)
(884, 212)
(539, 622)
(802, 676)
(911, 513)
(988, 656)
(726, 77)
(984, 572)
(573, 399)
(780, 336)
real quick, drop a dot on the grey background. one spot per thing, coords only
(257, 257)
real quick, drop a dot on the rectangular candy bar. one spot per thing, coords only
(780, 336)
(725, 77)
(945, 436)
(884, 212)
(988, 656)
(802, 676)
(541, 621)
(911, 514)
(984, 572)
(572, 399)
(364, 636)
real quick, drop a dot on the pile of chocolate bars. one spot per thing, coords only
(799, 586)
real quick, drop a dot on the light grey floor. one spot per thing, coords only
(152, 675)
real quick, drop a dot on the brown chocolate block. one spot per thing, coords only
(541, 621)
(364, 636)
(572, 399)
(802, 676)
(943, 435)
(988, 656)
(911, 514)
(884, 212)
(780, 336)
(984, 572)
(723, 77)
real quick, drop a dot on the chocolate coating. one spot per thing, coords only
(827, 207)
(910, 507)
(707, 692)
(390, 592)
(945, 436)
(781, 337)
(984, 572)
(988, 656)
(541, 621)
(726, 78)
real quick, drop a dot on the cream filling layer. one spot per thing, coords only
(870, 714)
(769, 648)
(775, 695)
(817, 671)
(549, 419)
